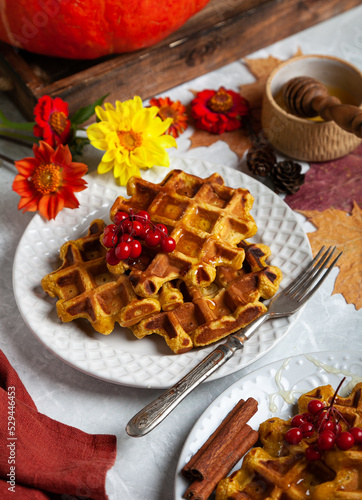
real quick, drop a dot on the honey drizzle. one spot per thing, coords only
(289, 396)
(355, 379)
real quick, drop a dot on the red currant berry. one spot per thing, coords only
(111, 258)
(337, 429)
(146, 228)
(123, 250)
(168, 245)
(143, 216)
(328, 425)
(326, 440)
(163, 229)
(307, 429)
(111, 228)
(308, 417)
(293, 436)
(345, 440)
(357, 434)
(136, 249)
(120, 216)
(126, 237)
(126, 226)
(298, 420)
(312, 453)
(322, 418)
(110, 239)
(315, 405)
(136, 228)
(152, 238)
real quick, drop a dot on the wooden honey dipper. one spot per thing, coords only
(306, 97)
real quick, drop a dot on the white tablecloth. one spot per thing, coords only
(145, 467)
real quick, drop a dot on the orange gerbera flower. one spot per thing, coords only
(174, 110)
(48, 181)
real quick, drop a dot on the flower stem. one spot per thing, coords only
(6, 158)
(5, 123)
(21, 139)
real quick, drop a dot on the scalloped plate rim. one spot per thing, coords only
(143, 362)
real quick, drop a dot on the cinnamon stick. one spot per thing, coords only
(202, 489)
(221, 442)
(187, 468)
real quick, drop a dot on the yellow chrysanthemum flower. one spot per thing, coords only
(132, 138)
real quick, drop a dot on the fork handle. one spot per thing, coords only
(155, 412)
(150, 416)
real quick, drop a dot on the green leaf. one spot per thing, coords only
(5, 123)
(83, 114)
(77, 145)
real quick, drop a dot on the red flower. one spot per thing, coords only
(48, 181)
(174, 110)
(219, 111)
(52, 122)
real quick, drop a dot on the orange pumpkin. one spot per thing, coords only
(87, 29)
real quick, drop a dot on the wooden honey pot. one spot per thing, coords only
(314, 136)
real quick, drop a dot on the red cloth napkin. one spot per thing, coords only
(40, 457)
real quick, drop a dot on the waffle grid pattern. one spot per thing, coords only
(148, 365)
(87, 289)
(206, 218)
(206, 315)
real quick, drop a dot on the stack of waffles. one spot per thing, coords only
(281, 471)
(211, 285)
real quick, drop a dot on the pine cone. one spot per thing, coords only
(287, 177)
(260, 159)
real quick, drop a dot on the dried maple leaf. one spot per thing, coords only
(333, 184)
(237, 140)
(253, 93)
(262, 67)
(337, 227)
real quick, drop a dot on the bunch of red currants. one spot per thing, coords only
(323, 423)
(122, 239)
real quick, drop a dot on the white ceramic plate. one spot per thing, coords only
(276, 387)
(121, 357)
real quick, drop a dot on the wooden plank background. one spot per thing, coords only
(221, 33)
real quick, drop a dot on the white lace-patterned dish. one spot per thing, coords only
(276, 387)
(120, 357)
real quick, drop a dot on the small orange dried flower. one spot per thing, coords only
(174, 110)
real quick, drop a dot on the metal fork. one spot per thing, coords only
(285, 303)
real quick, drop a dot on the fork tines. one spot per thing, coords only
(310, 275)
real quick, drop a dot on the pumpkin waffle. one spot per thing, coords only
(280, 471)
(206, 219)
(87, 289)
(208, 314)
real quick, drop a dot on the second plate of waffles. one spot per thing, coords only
(277, 388)
(215, 226)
